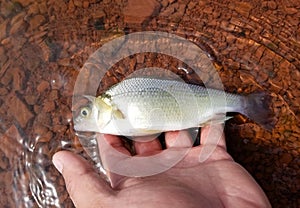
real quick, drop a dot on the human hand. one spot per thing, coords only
(216, 182)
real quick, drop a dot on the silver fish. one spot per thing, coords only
(146, 106)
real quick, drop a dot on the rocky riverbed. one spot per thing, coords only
(254, 45)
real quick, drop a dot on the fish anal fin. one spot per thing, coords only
(148, 131)
(216, 119)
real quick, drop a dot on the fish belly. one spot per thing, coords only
(151, 106)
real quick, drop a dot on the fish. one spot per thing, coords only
(142, 106)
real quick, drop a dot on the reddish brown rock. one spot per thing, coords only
(3, 161)
(3, 57)
(40, 130)
(43, 7)
(138, 12)
(11, 143)
(291, 11)
(36, 21)
(86, 4)
(57, 81)
(25, 3)
(255, 43)
(53, 95)
(71, 6)
(3, 26)
(64, 62)
(33, 10)
(140, 58)
(6, 41)
(6, 79)
(18, 78)
(78, 3)
(48, 106)
(169, 10)
(43, 136)
(44, 139)
(286, 158)
(272, 5)
(43, 86)
(59, 128)
(30, 99)
(3, 91)
(18, 109)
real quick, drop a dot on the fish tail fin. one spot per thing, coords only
(257, 107)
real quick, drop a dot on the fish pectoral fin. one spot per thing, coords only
(104, 118)
(117, 114)
(216, 119)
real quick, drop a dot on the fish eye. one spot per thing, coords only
(85, 112)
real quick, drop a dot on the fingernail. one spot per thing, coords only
(58, 164)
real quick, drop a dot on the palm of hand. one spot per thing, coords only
(216, 182)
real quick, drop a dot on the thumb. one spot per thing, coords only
(85, 187)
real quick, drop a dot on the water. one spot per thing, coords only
(43, 45)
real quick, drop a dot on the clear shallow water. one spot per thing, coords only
(43, 44)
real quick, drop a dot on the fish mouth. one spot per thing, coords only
(78, 127)
(85, 127)
(77, 121)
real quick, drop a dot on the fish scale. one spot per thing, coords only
(178, 104)
(151, 105)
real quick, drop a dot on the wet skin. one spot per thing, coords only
(216, 182)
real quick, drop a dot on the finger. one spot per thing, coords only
(114, 141)
(178, 139)
(147, 148)
(213, 135)
(83, 184)
(108, 157)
